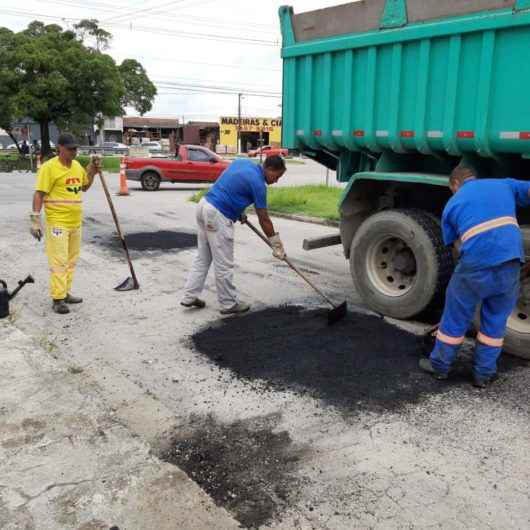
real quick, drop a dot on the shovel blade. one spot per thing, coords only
(128, 285)
(337, 313)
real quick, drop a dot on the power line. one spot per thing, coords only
(144, 10)
(250, 86)
(148, 29)
(237, 66)
(229, 89)
(106, 8)
(191, 91)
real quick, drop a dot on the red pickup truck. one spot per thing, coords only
(268, 150)
(193, 164)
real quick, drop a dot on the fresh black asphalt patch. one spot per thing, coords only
(159, 241)
(362, 363)
(246, 466)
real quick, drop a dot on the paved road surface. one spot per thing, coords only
(457, 459)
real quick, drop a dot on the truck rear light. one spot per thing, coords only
(514, 135)
(317, 132)
(358, 133)
(465, 134)
(407, 134)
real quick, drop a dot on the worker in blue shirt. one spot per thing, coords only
(243, 183)
(480, 222)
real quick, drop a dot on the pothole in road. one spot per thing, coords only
(162, 240)
(361, 363)
(246, 466)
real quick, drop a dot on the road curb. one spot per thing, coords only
(305, 219)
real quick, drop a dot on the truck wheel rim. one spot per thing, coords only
(391, 266)
(519, 320)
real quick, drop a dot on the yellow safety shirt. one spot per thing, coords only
(62, 185)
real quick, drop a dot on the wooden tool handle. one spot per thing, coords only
(291, 265)
(303, 276)
(118, 227)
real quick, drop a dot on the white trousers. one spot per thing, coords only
(215, 239)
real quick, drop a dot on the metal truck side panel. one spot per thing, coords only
(458, 85)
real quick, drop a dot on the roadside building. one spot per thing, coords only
(140, 129)
(252, 133)
(27, 130)
(203, 133)
(112, 130)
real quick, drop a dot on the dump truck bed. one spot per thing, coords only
(417, 75)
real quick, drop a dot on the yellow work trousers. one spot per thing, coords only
(62, 247)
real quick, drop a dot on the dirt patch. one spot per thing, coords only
(162, 240)
(360, 363)
(245, 466)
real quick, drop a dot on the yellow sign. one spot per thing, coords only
(229, 127)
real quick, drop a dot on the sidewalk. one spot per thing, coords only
(68, 462)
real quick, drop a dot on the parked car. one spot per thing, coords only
(154, 147)
(115, 145)
(193, 164)
(268, 150)
(14, 146)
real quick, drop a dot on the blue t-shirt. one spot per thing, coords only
(480, 201)
(241, 184)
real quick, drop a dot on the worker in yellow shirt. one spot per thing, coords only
(60, 183)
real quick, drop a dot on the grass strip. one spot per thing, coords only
(110, 163)
(312, 201)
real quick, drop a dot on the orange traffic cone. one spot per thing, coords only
(124, 188)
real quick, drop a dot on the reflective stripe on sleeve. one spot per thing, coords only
(490, 341)
(58, 270)
(488, 225)
(452, 341)
(51, 201)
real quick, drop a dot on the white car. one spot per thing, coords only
(114, 145)
(154, 147)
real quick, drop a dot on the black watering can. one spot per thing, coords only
(5, 296)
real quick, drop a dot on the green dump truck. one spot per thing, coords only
(392, 95)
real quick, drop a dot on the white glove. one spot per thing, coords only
(277, 246)
(36, 227)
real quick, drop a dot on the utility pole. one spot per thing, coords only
(260, 141)
(239, 97)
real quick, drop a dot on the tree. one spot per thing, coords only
(52, 76)
(139, 90)
(8, 85)
(90, 28)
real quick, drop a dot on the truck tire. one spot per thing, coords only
(150, 181)
(399, 263)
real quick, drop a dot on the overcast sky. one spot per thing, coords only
(153, 31)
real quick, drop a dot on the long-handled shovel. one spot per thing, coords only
(131, 283)
(334, 315)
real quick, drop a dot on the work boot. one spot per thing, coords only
(73, 299)
(484, 381)
(240, 307)
(426, 365)
(198, 303)
(60, 307)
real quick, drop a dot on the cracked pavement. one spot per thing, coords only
(83, 418)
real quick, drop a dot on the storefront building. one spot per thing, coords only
(252, 133)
